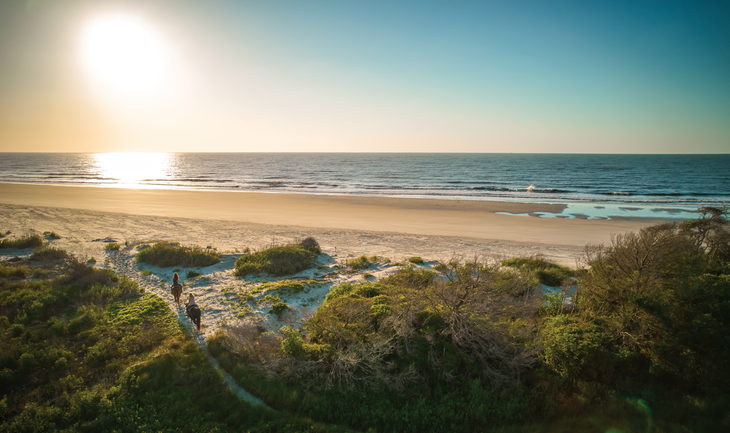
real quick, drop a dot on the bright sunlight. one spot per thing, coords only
(133, 170)
(124, 56)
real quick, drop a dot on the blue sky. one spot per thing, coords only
(563, 76)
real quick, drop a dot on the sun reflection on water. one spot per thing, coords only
(134, 170)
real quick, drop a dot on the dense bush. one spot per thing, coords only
(644, 347)
(663, 296)
(278, 260)
(172, 254)
(408, 333)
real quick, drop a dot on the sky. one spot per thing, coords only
(365, 76)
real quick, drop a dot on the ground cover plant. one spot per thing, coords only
(112, 246)
(279, 260)
(173, 254)
(28, 241)
(644, 349)
(89, 350)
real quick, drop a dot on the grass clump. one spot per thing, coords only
(28, 241)
(278, 260)
(51, 235)
(91, 261)
(192, 274)
(48, 254)
(146, 273)
(112, 246)
(172, 254)
(416, 260)
(548, 273)
(361, 262)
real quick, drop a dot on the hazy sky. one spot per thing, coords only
(311, 75)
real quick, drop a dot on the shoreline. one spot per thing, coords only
(473, 219)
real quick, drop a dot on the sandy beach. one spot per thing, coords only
(233, 219)
(435, 230)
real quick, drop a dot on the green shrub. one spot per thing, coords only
(575, 348)
(51, 235)
(172, 254)
(112, 246)
(278, 308)
(293, 343)
(14, 270)
(26, 361)
(91, 261)
(277, 260)
(192, 274)
(29, 241)
(416, 260)
(146, 273)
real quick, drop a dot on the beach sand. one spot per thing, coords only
(87, 218)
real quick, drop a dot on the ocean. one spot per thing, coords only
(597, 186)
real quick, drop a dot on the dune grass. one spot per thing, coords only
(416, 260)
(173, 254)
(48, 254)
(549, 274)
(51, 235)
(278, 260)
(361, 262)
(28, 241)
(112, 246)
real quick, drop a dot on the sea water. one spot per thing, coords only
(591, 185)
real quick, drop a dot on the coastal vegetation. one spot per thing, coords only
(280, 260)
(547, 273)
(638, 344)
(112, 246)
(27, 241)
(361, 262)
(173, 254)
(48, 254)
(88, 350)
(51, 235)
(473, 345)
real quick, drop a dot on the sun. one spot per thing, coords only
(124, 55)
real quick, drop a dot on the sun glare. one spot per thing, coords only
(133, 170)
(124, 55)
